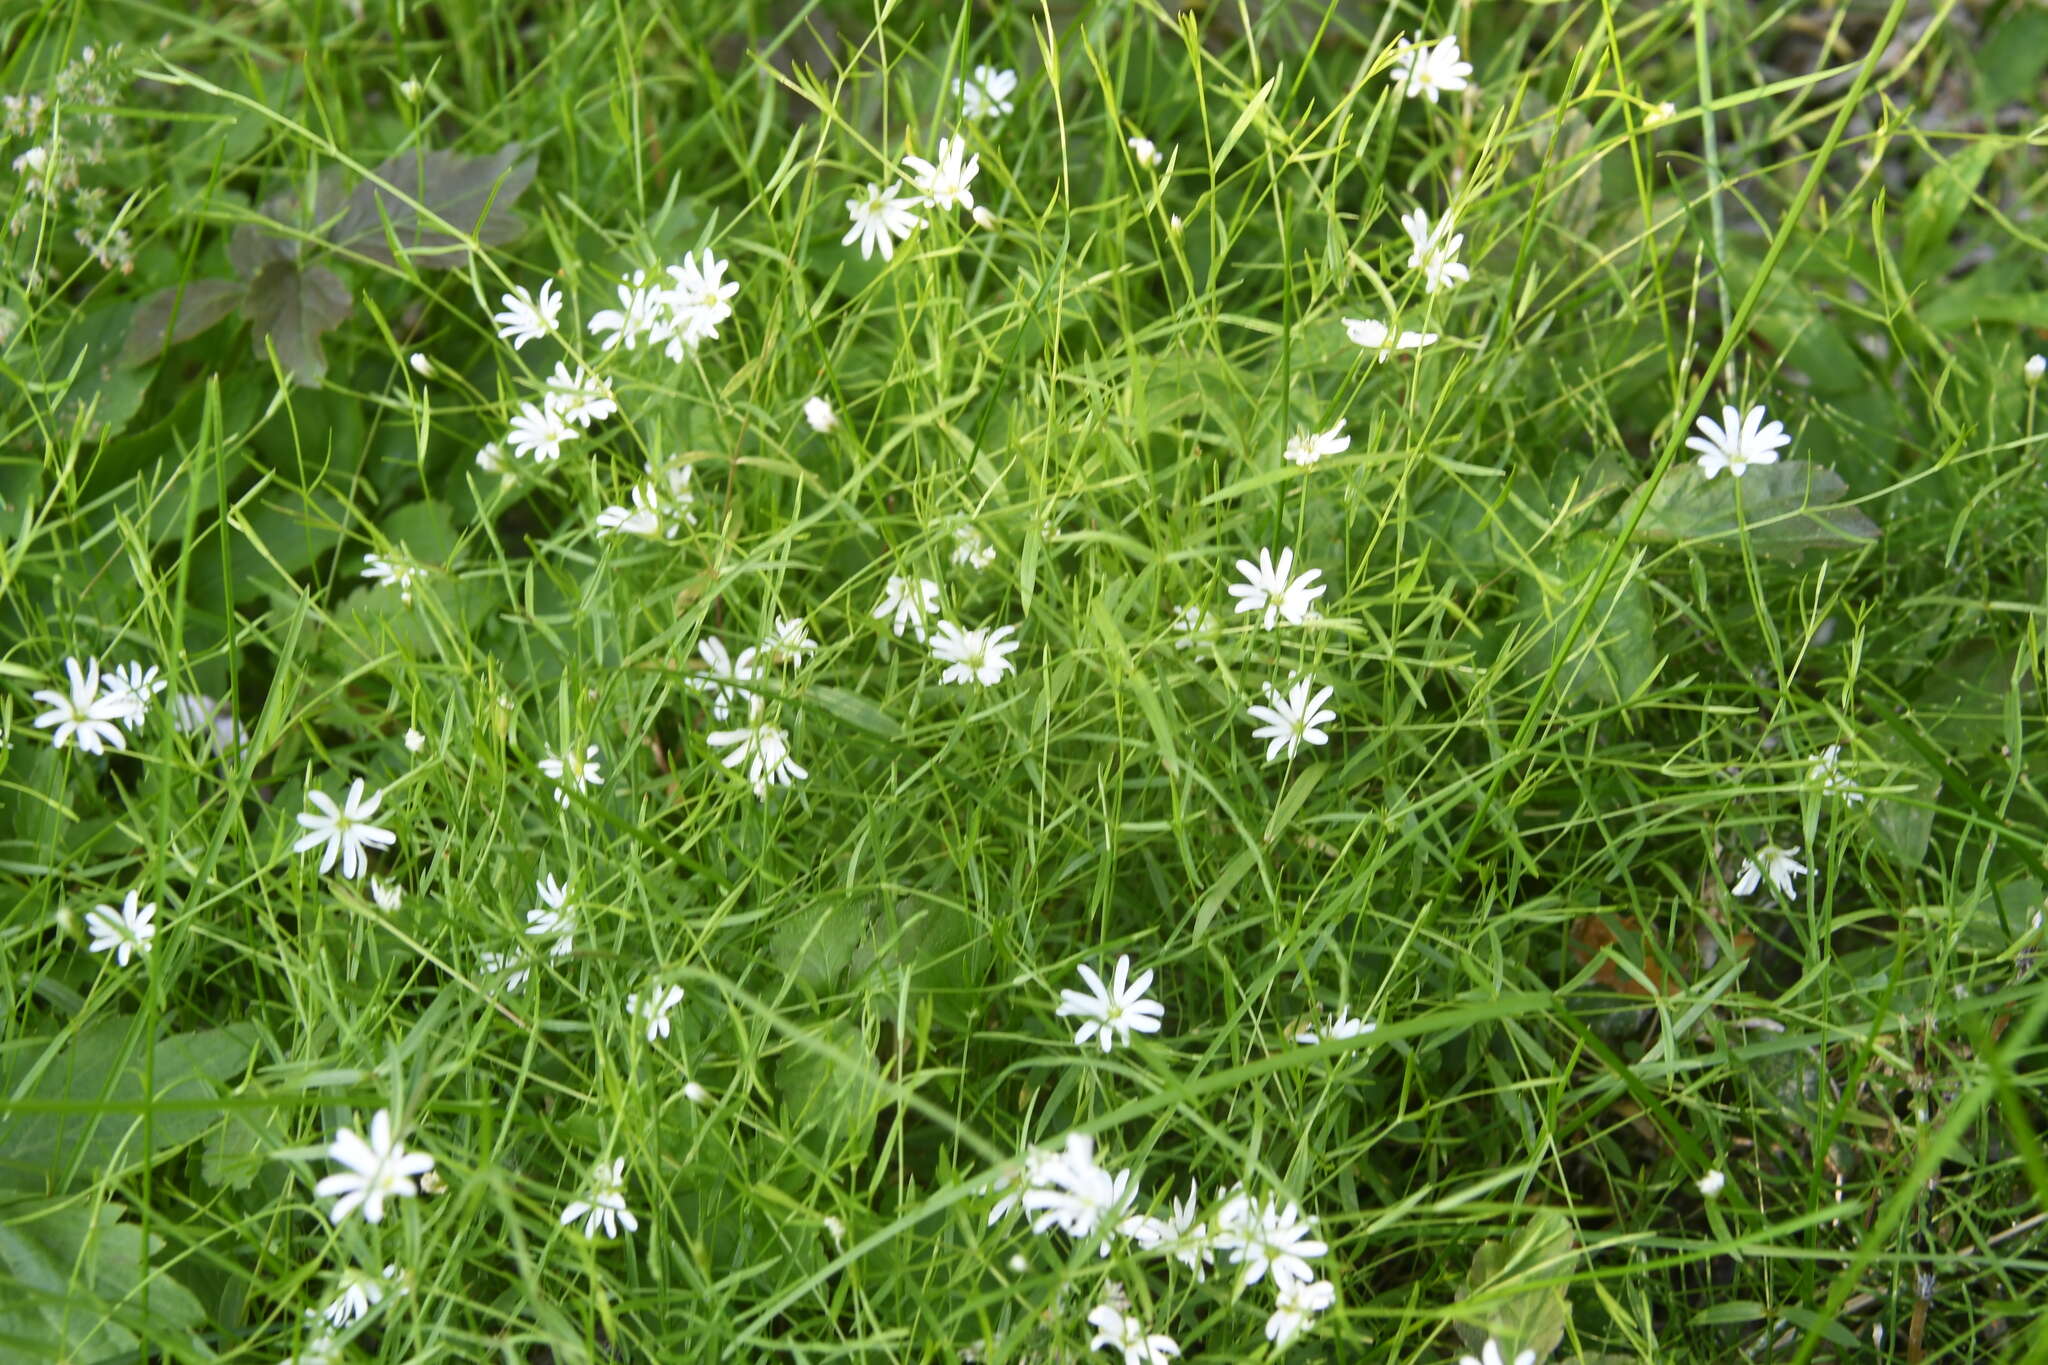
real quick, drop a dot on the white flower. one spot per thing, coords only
(136, 685)
(653, 1008)
(1435, 251)
(986, 94)
(880, 220)
(2036, 366)
(698, 298)
(723, 675)
(1308, 447)
(389, 896)
(1265, 1237)
(1194, 626)
(509, 970)
(695, 1093)
(379, 1168)
(1183, 1236)
(1079, 1197)
(582, 397)
(526, 318)
(1490, 1354)
(818, 413)
(1660, 115)
(1712, 1183)
(643, 518)
(322, 1348)
(1342, 1027)
(554, 918)
(357, 1294)
(974, 656)
(1825, 772)
(345, 830)
(1297, 1305)
(604, 1203)
(788, 641)
(1116, 1330)
(971, 548)
(1010, 1182)
(1383, 341)
(1737, 441)
(1293, 718)
(414, 740)
(1778, 865)
(1421, 69)
(1272, 589)
(907, 603)
(539, 432)
(1109, 1013)
(86, 714)
(128, 932)
(491, 460)
(1145, 153)
(386, 571)
(763, 747)
(983, 219)
(639, 312)
(944, 182)
(571, 771)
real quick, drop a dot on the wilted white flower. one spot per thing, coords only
(1296, 1307)
(126, 932)
(974, 656)
(639, 313)
(1195, 626)
(1340, 1028)
(379, 1168)
(355, 1295)
(343, 831)
(569, 770)
(762, 747)
(603, 1204)
(1435, 251)
(1382, 341)
(389, 896)
(1430, 70)
(508, 971)
(85, 713)
(944, 182)
(1825, 772)
(491, 460)
(1309, 447)
(971, 549)
(410, 90)
(880, 220)
(191, 713)
(1777, 865)
(723, 675)
(582, 397)
(986, 94)
(526, 318)
(136, 685)
(1110, 1012)
(1272, 589)
(1292, 719)
(1737, 441)
(554, 919)
(907, 603)
(387, 571)
(818, 413)
(1660, 115)
(652, 1009)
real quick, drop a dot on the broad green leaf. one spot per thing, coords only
(291, 308)
(240, 1149)
(99, 390)
(179, 314)
(424, 530)
(432, 204)
(1613, 657)
(831, 1100)
(1963, 705)
(1904, 823)
(920, 952)
(1787, 508)
(814, 949)
(102, 1102)
(1493, 1301)
(74, 1287)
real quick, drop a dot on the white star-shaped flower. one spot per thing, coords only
(1430, 70)
(907, 603)
(1309, 447)
(1770, 863)
(603, 1205)
(379, 1168)
(1293, 718)
(1110, 1013)
(1435, 251)
(974, 656)
(344, 830)
(944, 181)
(85, 714)
(526, 318)
(1272, 589)
(127, 932)
(1737, 441)
(880, 220)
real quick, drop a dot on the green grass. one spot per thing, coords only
(1575, 684)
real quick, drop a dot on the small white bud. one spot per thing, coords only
(414, 741)
(410, 90)
(819, 414)
(1663, 113)
(2037, 365)
(421, 366)
(1712, 1183)
(695, 1093)
(983, 219)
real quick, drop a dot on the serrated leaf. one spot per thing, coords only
(251, 247)
(178, 314)
(815, 949)
(98, 1104)
(75, 1287)
(1787, 509)
(291, 309)
(433, 204)
(240, 1148)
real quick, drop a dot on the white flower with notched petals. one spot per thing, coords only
(1435, 251)
(944, 182)
(698, 298)
(582, 397)
(1308, 447)
(985, 94)
(1272, 589)
(1110, 1013)
(1116, 1330)
(138, 687)
(819, 416)
(1430, 70)
(1145, 152)
(788, 642)
(1079, 1197)
(527, 318)
(393, 572)
(639, 312)
(1266, 1237)
(764, 749)
(379, 1168)
(85, 714)
(1777, 865)
(971, 548)
(1382, 340)
(603, 1205)
(355, 1295)
(651, 1010)
(388, 896)
(491, 460)
(1737, 441)
(1195, 627)
(1825, 771)
(1492, 1354)
(1292, 718)
(880, 220)
(127, 932)
(1296, 1306)
(539, 432)
(723, 676)
(974, 656)
(344, 831)
(554, 919)
(907, 604)
(570, 770)
(1340, 1028)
